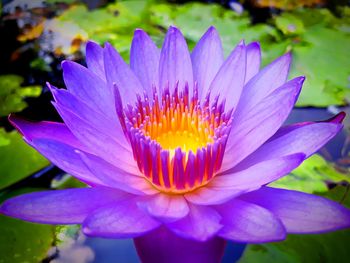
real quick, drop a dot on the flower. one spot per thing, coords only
(185, 142)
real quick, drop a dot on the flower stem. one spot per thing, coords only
(163, 246)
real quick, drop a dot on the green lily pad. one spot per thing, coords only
(318, 42)
(195, 18)
(12, 94)
(18, 160)
(24, 242)
(312, 176)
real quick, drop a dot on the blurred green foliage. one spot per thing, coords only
(12, 94)
(312, 176)
(317, 39)
(24, 242)
(17, 159)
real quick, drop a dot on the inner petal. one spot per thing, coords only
(177, 143)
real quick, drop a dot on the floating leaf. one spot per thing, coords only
(195, 18)
(12, 94)
(312, 176)
(320, 52)
(289, 24)
(18, 160)
(3, 138)
(22, 241)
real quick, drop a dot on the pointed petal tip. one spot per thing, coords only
(300, 79)
(212, 30)
(173, 30)
(91, 44)
(255, 44)
(139, 32)
(337, 119)
(65, 63)
(241, 43)
(13, 119)
(16, 122)
(108, 46)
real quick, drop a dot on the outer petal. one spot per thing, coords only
(228, 185)
(251, 130)
(253, 60)
(120, 178)
(119, 73)
(301, 212)
(201, 224)
(229, 81)
(88, 87)
(175, 62)
(108, 126)
(144, 60)
(100, 143)
(264, 83)
(207, 57)
(120, 220)
(70, 206)
(305, 138)
(249, 223)
(94, 59)
(45, 130)
(165, 207)
(65, 157)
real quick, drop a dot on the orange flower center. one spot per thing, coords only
(177, 143)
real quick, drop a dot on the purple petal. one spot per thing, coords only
(210, 195)
(124, 178)
(175, 62)
(98, 142)
(226, 186)
(144, 60)
(253, 60)
(229, 81)
(45, 130)
(305, 138)
(207, 58)
(201, 224)
(94, 59)
(70, 206)
(88, 87)
(249, 223)
(165, 207)
(107, 125)
(119, 73)
(161, 245)
(65, 157)
(251, 130)
(119, 220)
(301, 212)
(264, 83)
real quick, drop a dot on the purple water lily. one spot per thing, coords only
(178, 149)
